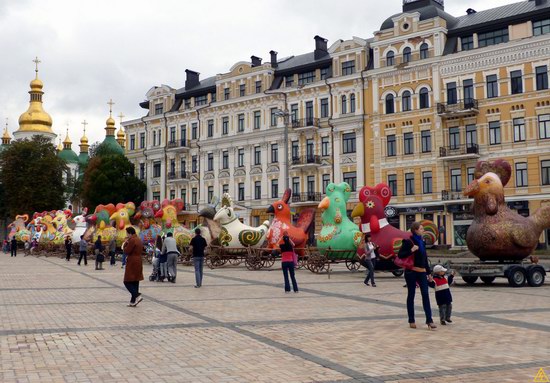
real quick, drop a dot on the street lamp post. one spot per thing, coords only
(285, 115)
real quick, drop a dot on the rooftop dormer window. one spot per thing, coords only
(306, 78)
(158, 108)
(541, 27)
(201, 100)
(493, 37)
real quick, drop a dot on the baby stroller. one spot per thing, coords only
(155, 275)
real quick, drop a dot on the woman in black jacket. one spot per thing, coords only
(420, 274)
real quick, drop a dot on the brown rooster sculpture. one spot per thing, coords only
(498, 233)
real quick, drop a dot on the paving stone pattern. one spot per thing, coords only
(66, 323)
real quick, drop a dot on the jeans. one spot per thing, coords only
(445, 312)
(369, 264)
(288, 268)
(133, 288)
(124, 256)
(172, 264)
(163, 269)
(412, 277)
(112, 255)
(83, 254)
(198, 262)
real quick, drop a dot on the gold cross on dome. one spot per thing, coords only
(84, 123)
(110, 103)
(36, 61)
(121, 116)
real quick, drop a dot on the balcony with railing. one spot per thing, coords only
(305, 161)
(305, 123)
(181, 175)
(307, 198)
(460, 108)
(452, 195)
(459, 152)
(178, 144)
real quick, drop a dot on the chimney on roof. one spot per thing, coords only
(192, 79)
(540, 2)
(256, 61)
(470, 11)
(320, 47)
(411, 5)
(273, 59)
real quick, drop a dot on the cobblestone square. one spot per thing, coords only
(67, 323)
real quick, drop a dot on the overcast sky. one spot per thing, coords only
(92, 51)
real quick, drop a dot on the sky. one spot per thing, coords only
(94, 51)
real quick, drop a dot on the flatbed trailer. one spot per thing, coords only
(517, 273)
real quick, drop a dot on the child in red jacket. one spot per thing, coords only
(443, 295)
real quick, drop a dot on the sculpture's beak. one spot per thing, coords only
(472, 189)
(270, 209)
(325, 203)
(358, 210)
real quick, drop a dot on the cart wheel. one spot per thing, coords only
(535, 277)
(253, 262)
(517, 277)
(208, 261)
(302, 262)
(268, 260)
(398, 273)
(317, 263)
(352, 265)
(235, 261)
(470, 279)
(487, 280)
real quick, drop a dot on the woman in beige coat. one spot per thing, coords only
(134, 268)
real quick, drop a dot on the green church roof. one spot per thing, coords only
(69, 156)
(110, 146)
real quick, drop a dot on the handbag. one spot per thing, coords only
(406, 263)
(295, 258)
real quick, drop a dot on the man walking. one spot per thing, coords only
(112, 251)
(83, 251)
(198, 243)
(13, 244)
(170, 248)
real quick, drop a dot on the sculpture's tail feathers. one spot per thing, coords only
(307, 216)
(430, 232)
(542, 218)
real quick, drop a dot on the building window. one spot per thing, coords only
(183, 195)
(158, 108)
(201, 100)
(225, 126)
(210, 132)
(258, 87)
(194, 164)
(390, 58)
(225, 188)
(544, 126)
(210, 193)
(240, 122)
(348, 67)
(406, 101)
(257, 155)
(468, 87)
(470, 174)
(257, 119)
(240, 158)
(213, 97)
(154, 138)
(273, 116)
(494, 133)
(392, 183)
(325, 180)
(352, 103)
(541, 27)
(194, 131)
(351, 179)
(542, 77)
(295, 149)
(172, 134)
(225, 159)
(309, 113)
(493, 37)
(156, 169)
(516, 82)
(427, 182)
(451, 93)
(545, 171)
(258, 190)
(454, 138)
(240, 191)
(295, 185)
(310, 148)
(348, 143)
(133, 142)
(183, 134)
(194, 199)
(274, 153)
(492, 86)
(521, 174)
(467, 43)
(426, 141)
(324, 73)
(242, 90)
(142, 171)
(408, 143)
(141, 140)
(289, 80)
(519, 129)
(391, 146)
(456, 180)
(409, 183)
(210, 163)
(294, 112)
(389, 104)
(306, 78)
(188, 103)
(471, 136)
(324, 107)
(275, 188)
(226, 93)
(424, 98)
(325, 146)
(424, 54)
(406, 55)
(310, 184)
(344, 104)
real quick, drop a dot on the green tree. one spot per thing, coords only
(110, 179)
(32, 176)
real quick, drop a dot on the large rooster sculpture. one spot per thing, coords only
(497, 232)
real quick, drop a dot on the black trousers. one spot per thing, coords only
(83, 254)
(133, 288)
(14, 251)
(69, 251)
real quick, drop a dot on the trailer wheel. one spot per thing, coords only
(471, 279)
(398, 273)
(352, 264)
(535, 277)
(488, 280)
(516, 277)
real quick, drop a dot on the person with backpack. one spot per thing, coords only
(288, 262)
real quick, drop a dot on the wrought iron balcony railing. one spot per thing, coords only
(307, 197)
(305, 160)
(459, 150)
